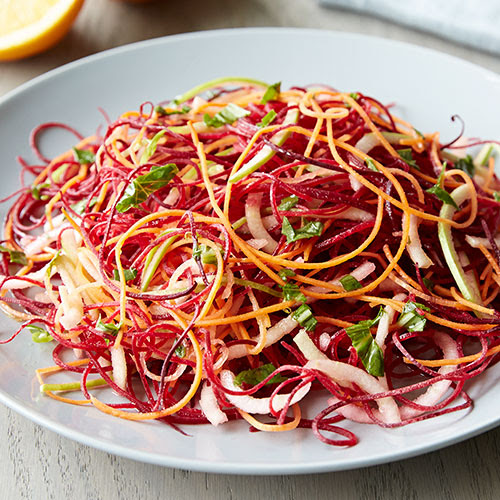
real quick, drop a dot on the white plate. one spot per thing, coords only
(428, 87)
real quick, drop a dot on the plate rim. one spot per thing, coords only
(225, 467)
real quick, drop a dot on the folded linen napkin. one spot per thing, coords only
(471, 22)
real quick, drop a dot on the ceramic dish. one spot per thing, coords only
(428, 88)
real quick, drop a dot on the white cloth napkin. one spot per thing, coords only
(472, 22)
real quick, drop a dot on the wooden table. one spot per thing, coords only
(38, 464)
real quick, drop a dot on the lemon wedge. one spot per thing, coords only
(28, 27)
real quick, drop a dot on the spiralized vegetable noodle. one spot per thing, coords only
(225, 255)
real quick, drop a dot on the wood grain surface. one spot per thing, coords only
(38, 464)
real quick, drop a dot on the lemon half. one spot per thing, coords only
(28, 27)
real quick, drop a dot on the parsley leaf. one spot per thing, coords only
(164, 112)
(15, 256)
(309, 230)
(407, 156)
(289, 202)
(36, 188)
(367, 349)
(411, 319)
(466, 164)
(151, 147)
(257, 375)
(130, 274)
(139, 190)
(111, 328)
(284, 274)
(83, 156)
(229, 114)
(442, 195)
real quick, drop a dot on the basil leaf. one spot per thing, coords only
(38, 334)
(442, 195)
(292, 292)
(407, 156)
(272, 92)
(130, 274)
(466, 164)
(164, 112)
(411, 319)
(83, 156)
(35, 191)
(286, 273)
(309, 230)
(15, 256)
(268, 119)
(350, 283)
(367, 349)
(227, 115)
(289, 202)
(151, 147)
(304, 317)
(139, 190)
(257, 375)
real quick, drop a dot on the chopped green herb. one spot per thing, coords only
(229, 114)
(83, 156)
(164, 112)
(268, 119)
(354, 95)
(304, 317)
(284, 274)
(367, 349)
(36, 188)
(180, 352)
(79, 206)
(350, 283)
(111, 328)
(257, 375)
(371, 165)
(15, 256)
(411, 319)
(39, 335)
(52, 262)
(466, 164)
(289, 202)
(139, 190)
(496, 196)
(428, 284)
(272, 92)
(130, 274)
(257, 286)
(292, 292)
(407, 156)
(442, 195)
(206, 253)
(151, 147)
(309, 230)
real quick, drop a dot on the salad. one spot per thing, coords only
(242, 249)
